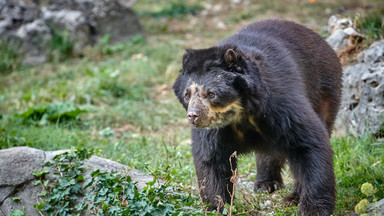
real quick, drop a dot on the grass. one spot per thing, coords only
(9, 58)
(175, 9)
(133, 116)
(372, 25)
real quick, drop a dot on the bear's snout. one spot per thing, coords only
(193, 115)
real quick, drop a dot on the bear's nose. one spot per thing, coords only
(193, 115)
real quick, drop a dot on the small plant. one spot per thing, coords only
(54, 112)
(372, 26)
(176, 9)
(9, 57)
(106, 83)
(61, 197)
(228, 207)
(17, 212)
(116, 194)
(61, 46)
(368, 190)
(105, 48)
(108, 193)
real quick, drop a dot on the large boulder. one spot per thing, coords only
(343, 37)
(72, 21)
(34, 37)
(84, 21)
(16, 179)
(362, 109)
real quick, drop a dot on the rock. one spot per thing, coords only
(376, 209)
(5, 192)
(71, 21)
(335, 22)
(343, 36)
(105, 17)
(85, 22)
(17, 165)
(28, 194)
(16, 179)
(127, 3)
(362, 108)
(105, 165)
(35, 37)
(374, 54)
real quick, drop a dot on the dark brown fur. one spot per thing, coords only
(272, 88)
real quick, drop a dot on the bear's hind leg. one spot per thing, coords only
(268, 177)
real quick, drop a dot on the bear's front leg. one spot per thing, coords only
(268, 176)
(213, 169)
(312, 168)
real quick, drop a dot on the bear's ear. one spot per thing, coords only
(188, 53)
(230, 57)
(185, 57)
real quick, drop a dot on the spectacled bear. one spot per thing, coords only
(272, 88)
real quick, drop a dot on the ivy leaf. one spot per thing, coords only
(16, 199)
(39, 206)
(43, 193)
(39, 173)
(17, 212)
(109, 193)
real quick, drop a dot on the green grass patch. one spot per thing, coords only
(61, 47)
(9, 57)
(175, 9)
(44, 113)
(357, 160)
(372, 25)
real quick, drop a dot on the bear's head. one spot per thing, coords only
(213, 85)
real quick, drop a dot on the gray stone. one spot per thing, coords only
(362, 108)
(16, 179)
(17, 165)
(335, 22)
(4, 24)
(107, 17)
(127, 3)
(72, 22)
(376, 209)
(85, 21)
(342, 34)
(35, 36)
(29, 195)
(374, 54)
(5, 192)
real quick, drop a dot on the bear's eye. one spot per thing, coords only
(186, 96)
(211, 95)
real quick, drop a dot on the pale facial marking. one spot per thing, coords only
(210, 116)
(221, 116)
(196, 89)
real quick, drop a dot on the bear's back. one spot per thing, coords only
(294, 51)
